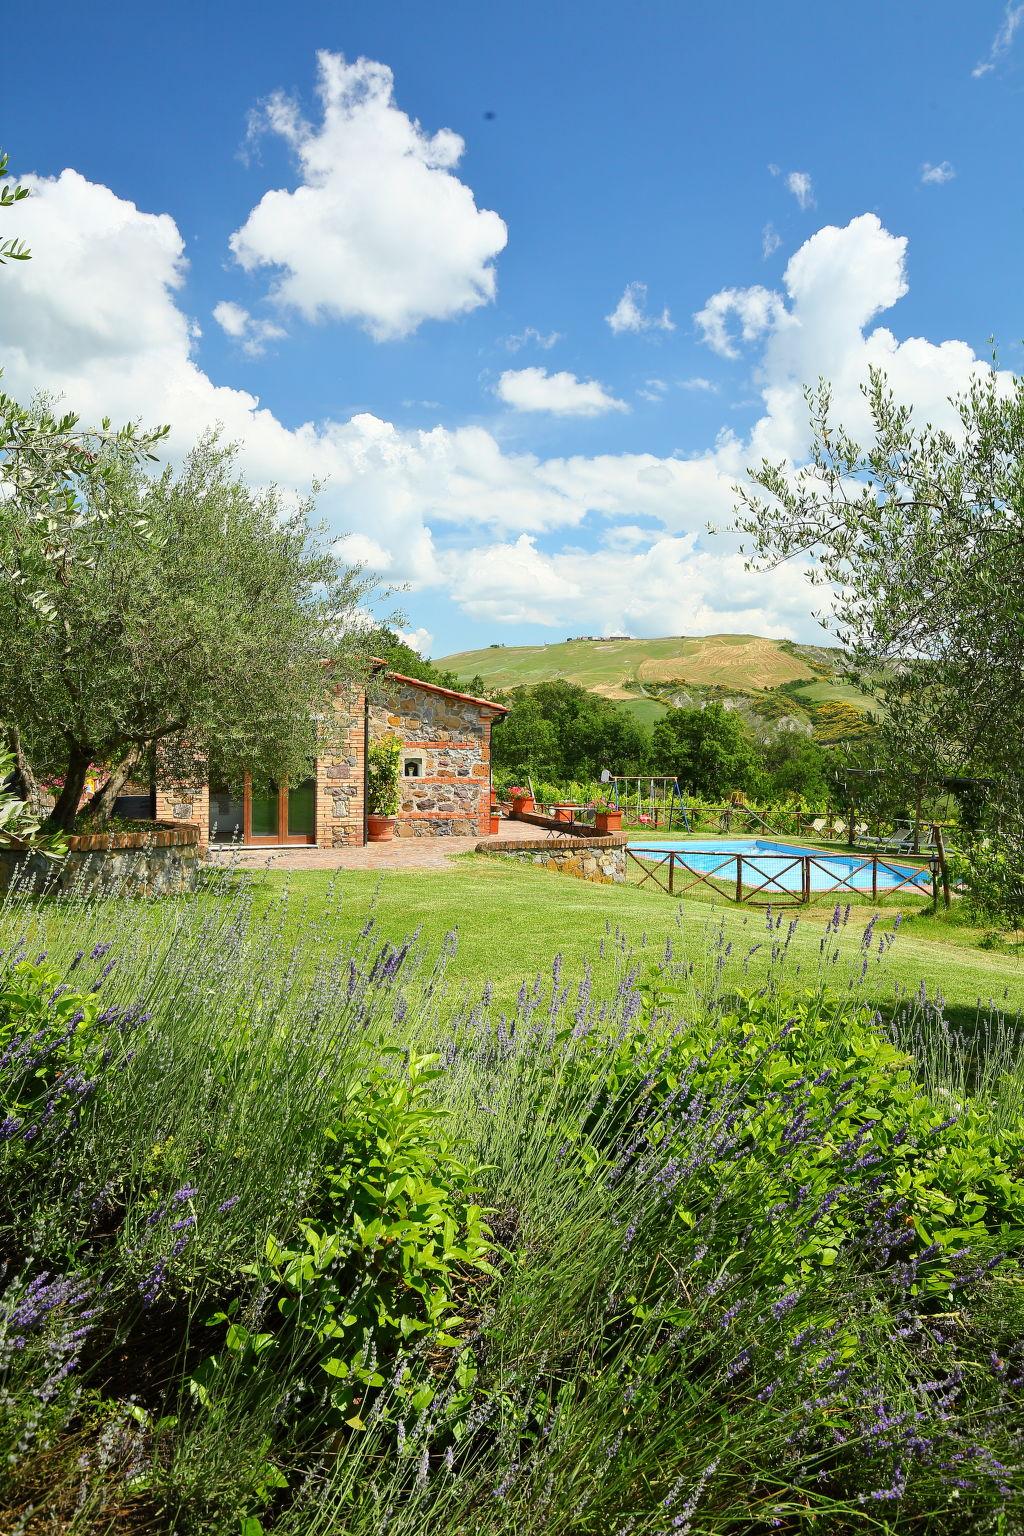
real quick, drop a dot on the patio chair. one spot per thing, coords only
(818, 825)
(899, 842)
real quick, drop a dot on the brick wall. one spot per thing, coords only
(340, 779)
(176, 803)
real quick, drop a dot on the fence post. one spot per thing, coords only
(874, 877)
(739, 877)
(935, 883)
(940, 848)
(805, 881)
(671, 868)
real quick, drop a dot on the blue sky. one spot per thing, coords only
(382, 244)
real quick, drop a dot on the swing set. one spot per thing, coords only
(646, 800)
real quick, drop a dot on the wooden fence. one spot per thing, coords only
(746, 877)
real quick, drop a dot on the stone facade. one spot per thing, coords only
(599, 859)
(446, 739)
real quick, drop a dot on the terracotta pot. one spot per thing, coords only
(522, 805)
(380, 829)
(608, 821)
(493, 825)
(564, 811)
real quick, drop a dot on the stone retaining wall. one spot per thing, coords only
(158, 861)
(600, 859)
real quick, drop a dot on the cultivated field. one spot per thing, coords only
(614, 668)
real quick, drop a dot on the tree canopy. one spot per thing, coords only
(561, 731)
(200, 620)
(920, 535)
(708, 750)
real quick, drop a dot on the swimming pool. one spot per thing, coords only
(783, 866)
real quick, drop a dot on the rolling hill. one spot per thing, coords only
(649, 676)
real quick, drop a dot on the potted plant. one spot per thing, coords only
(383, 761)
(565, 810)
(522, 801)
(608, 820)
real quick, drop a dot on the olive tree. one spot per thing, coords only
(11, 249)
(920, 536)
(196, 620)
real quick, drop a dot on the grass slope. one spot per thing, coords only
(750, 663)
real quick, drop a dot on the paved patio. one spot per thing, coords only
(403, 853)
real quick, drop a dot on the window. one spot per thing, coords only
(412, 767)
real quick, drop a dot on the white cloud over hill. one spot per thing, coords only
(582, 542)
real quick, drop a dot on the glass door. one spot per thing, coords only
(276, 814)
(300, 812)
(264, 808)
(227, 816)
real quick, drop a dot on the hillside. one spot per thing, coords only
(747, 662)
(768, 678)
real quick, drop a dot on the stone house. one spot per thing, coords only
(445, 775)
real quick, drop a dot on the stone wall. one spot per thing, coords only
(600, 859)
(451, 740)
(159, 861)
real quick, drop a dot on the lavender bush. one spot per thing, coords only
(325, 1248)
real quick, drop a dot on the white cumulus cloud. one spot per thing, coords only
(252, 332)
(630, 313)
(562, 394)
(770, 241)
(380, 230)
(420, 639)
(937, 175)
(756, 309)
(530, 336)
(97, 317)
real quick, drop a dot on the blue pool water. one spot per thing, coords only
(778, 866)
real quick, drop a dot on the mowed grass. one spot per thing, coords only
(511, 920)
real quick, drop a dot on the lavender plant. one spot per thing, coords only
(753, 1258)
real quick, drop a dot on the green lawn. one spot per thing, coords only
(512, 920)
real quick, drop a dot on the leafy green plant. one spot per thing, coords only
(19, 823)
(383, 761)
(11, 250)
(45, 1032)
(990, 871)
(386, 1256)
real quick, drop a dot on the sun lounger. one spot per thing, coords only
(900, 842)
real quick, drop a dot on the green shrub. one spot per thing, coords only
(385, 1253)
(382, 764)
(47, 1037)
(991, 872)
